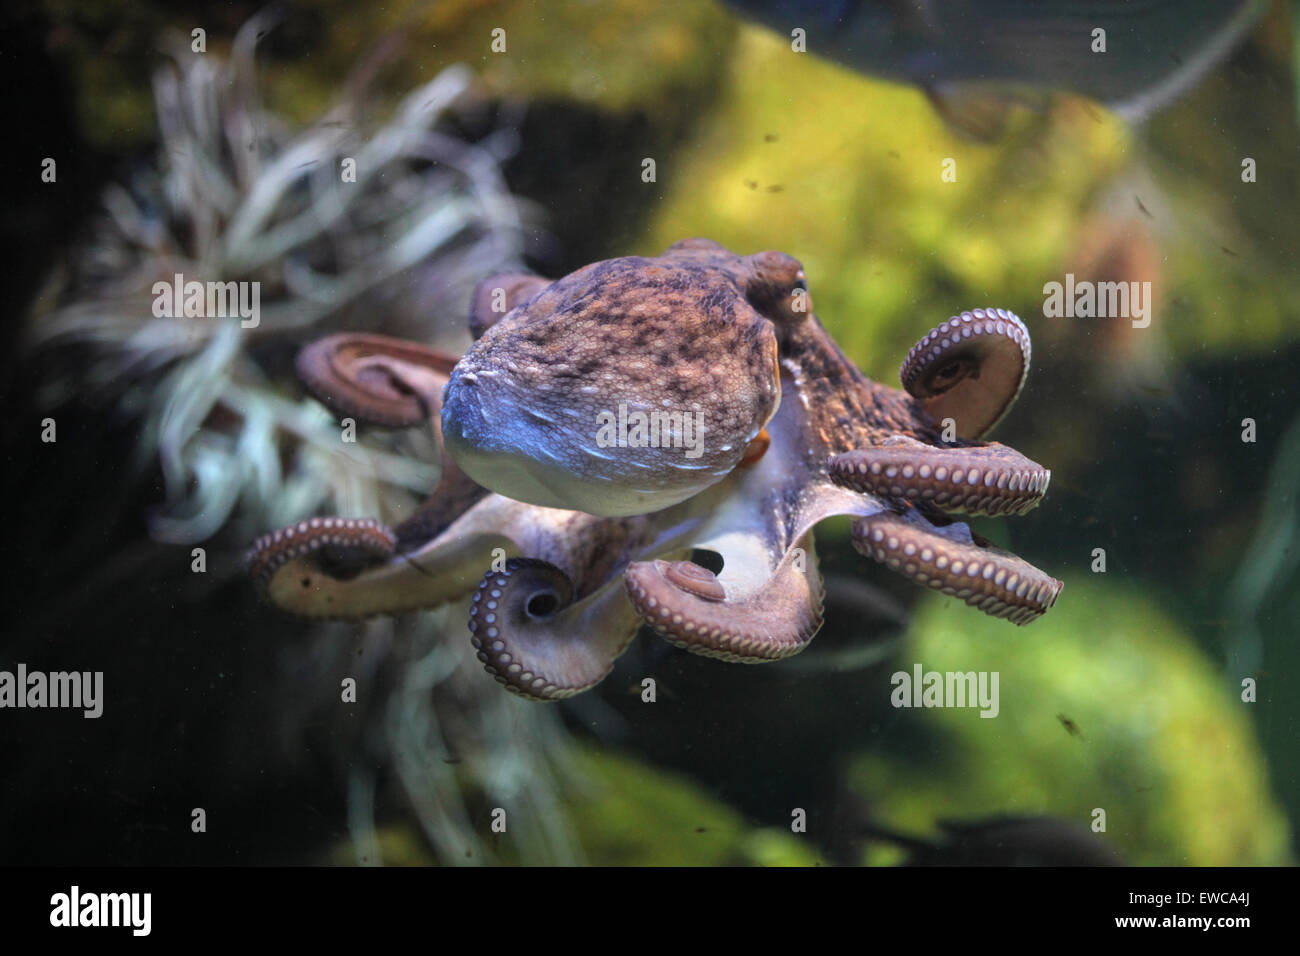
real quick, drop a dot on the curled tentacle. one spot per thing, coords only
(953, 561)
(986, 480)
(536, 641)
(688, 606)
(290, 566)
(355, 568)
(969, 369)
(392, 382)
(345, 545)
(376, 379)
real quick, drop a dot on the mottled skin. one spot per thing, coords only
(558, 594)
(692, 332)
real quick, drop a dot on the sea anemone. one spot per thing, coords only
(345, 224)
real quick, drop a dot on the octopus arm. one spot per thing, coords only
(970, 369)
(340, 568)
(536, 640)
(752, 619)
(952, 560)
(987, 479)
(376, 379)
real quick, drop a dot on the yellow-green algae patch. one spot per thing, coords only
(1164, 746)
(845, 173)
(629, 813)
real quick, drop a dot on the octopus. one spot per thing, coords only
(566, 544)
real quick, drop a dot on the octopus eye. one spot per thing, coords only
(775, 279)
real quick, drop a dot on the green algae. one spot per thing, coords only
(845, 173)
(629, 813)
(1163, 745)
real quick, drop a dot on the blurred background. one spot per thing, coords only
(172, 436)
